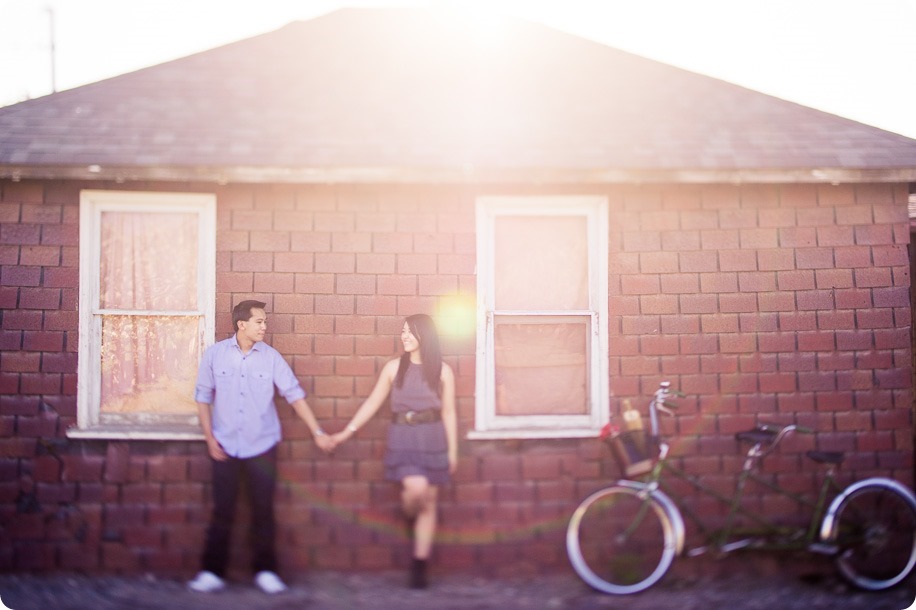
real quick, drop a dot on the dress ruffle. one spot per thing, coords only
(417, 450)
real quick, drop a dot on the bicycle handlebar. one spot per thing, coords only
(766, 436)
(786, 431)
(660, 402)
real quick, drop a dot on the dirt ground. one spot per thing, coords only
(782, 586)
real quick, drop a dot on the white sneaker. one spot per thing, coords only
(269, 582)
(207, 582)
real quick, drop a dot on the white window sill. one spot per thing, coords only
(530, 433)
(162, 432)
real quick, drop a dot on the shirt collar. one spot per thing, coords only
(235, 342)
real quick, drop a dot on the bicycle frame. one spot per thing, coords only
(769, 535)
(622, 539)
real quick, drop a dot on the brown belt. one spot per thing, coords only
(426, 416)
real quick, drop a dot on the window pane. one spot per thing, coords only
(149, 364)
(149, 261)
(541, 262)
(541, 366)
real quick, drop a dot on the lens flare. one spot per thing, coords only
(457, 316)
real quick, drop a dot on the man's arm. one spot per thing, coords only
(206, 422)
(204, 394)
(304, 411)
(290, 388)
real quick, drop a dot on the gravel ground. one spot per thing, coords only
(780, 589)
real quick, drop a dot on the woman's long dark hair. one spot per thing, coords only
(424, 329)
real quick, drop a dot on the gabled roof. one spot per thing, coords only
(412, 95)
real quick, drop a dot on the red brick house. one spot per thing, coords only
(583, 223)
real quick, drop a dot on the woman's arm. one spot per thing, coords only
(449, 415)
(372, 403)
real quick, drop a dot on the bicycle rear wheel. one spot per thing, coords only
(876, 536)
(619, 542)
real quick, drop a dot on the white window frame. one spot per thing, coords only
(487, 423)
(92, 204)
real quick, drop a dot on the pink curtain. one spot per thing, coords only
(541, 368)
(541, 265)
(148, 266)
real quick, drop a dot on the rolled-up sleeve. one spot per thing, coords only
(205, 388)
(286, 381)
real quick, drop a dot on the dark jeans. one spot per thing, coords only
(260, 472)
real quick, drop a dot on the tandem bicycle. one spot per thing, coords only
(622, 539)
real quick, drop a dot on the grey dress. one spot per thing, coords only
(416, 449)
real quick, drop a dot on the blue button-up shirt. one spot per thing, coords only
(241, 389)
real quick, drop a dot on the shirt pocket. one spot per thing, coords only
(262, 385)
(223, 377)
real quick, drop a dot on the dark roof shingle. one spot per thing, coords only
(384, 94)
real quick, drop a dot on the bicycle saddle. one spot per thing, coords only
(826, 457)
(757, 435)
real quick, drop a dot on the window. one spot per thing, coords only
(542, 355)
(147, 300)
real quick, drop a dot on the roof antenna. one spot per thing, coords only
(53, 53)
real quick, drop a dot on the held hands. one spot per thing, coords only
(344, 434)
(325, 442)
(340, 437)
(330, 442)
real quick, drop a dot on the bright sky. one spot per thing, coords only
(854, 58)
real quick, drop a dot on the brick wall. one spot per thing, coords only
(785, 304)
(762, 303)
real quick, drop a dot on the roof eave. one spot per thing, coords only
(451, 175)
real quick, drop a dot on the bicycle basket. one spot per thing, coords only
(634, 451)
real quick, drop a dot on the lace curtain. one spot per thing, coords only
(541, 266)
(150, 320)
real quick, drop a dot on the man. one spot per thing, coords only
(235, 392)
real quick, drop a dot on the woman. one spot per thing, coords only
(422, 449)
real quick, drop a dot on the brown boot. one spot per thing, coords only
(418, 574)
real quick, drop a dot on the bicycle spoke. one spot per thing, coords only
(876, 537)
(622, 543)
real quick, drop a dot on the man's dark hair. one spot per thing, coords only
(242, 312)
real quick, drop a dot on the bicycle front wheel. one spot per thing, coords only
(620, 542)
(876, 536)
